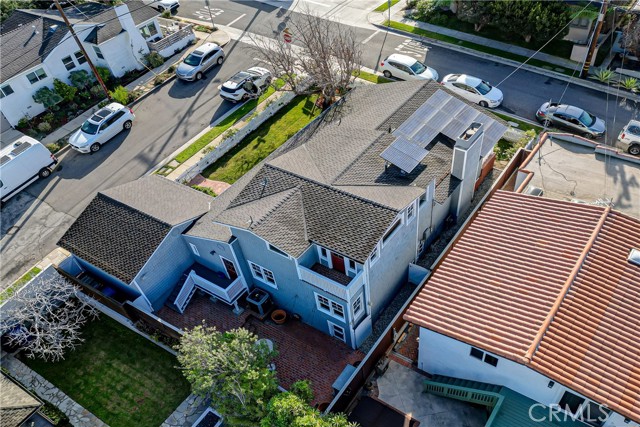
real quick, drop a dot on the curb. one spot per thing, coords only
(576, 81)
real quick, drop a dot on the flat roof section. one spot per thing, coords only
(565, 170)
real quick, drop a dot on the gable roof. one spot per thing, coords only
(545, 283)
(332, 175)
(16, 403)
(22, 48)
(122, 227)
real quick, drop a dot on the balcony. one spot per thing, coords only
(330, 281)
(211, 282)
(175, 37)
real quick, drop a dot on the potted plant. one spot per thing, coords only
(279, 316)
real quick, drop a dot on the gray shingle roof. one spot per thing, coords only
(22, 49)
(16, 404)
(330, 185)
(122, 227)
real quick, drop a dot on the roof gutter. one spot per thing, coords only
(565, 288)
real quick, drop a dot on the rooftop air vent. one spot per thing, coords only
(634, 257)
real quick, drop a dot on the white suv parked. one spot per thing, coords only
(246, 84)
(406, 68)
(629, 138)
(101, 127)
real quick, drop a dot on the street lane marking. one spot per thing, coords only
(236, 20)
(412, 47)
(318, 3)
(365, 41)
(203, 13)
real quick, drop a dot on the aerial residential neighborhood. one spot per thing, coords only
(335, 213)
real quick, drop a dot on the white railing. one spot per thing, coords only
(227, 295)
(185, 294)
(328, 285)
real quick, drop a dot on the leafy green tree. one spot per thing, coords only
(47, 97)
(8, 6)
(291, 409)
(65, 91)
(80, 79)
(120, 95)
(477, 12)
(533, 20)
(232, 368)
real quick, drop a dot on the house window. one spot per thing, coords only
(278, 251)
(357, 306)
(36, 76)
(80, 57)
(194, 249)
(411, 210)
(330, 307)
(571, 402)
(68, 63)
(493, 361)
(5, 90)
(478, 354)
(595, 414)
(374, 255)
(149, 30)
(98, 52)
(337, 332)
(263, 274)
(390, 232)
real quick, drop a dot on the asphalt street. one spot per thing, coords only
(33, 221)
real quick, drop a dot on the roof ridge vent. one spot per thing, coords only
(634, 256)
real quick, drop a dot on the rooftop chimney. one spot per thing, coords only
(466, 165)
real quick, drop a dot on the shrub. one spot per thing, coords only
(161, 78)
(49, 118)
(423, 9)
(629, 83)
(171, 69)
(102, 104)
(65, 91)
(56, 415)
(47, 97)
(44, 127)
(205, 190)
(120, 95)
(80, 79)
(136, 94)
(96, 91)
(104, 74)
(54, 147)
(154, 59)
(604, 75)
(23, 123)
(166, 14)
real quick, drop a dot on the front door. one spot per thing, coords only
(338, 263)
(231, 269)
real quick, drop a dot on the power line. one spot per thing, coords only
(67, 36)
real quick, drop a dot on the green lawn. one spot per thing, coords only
(521, 125)
(118, 375)
(373, 78)
(497, 52)
(7, 293)
(260, 143)
(229, 121)
(385, 6)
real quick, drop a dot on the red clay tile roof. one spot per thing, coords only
(531, 271)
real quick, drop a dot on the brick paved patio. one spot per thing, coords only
(304, 352)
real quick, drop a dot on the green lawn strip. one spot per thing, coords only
(7, 293)
(373, 78)
(486, 49)
(385, 6)
(118, 375)
(265, 139)
(524, 126)
(225, 124)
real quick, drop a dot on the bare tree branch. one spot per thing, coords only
(45, 319)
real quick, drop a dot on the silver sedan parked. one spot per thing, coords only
(574, 119)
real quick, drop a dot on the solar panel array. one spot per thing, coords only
(441, 113)
(20, 148)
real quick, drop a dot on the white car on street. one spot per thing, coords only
(629, 138)
(162, 5)
(474, 89)
(406, 68)
(246, 84)
(101, 127)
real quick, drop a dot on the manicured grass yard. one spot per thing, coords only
(7, 293)
(120, 376)
(384, 6)
(260, 143)
(373, 78)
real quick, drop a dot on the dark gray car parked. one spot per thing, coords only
(572, 118)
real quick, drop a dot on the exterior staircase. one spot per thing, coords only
(465, 390)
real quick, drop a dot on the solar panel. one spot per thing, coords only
(404, 154)
(20, 148)
(4, 160)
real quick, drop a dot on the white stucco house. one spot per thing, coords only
(541, 297)
(37, 48)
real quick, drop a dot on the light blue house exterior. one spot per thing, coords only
(330, 222)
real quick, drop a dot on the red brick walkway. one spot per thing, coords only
(304, 352)
(218, 187)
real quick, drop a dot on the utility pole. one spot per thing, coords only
(84, 52)
(593, 41)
